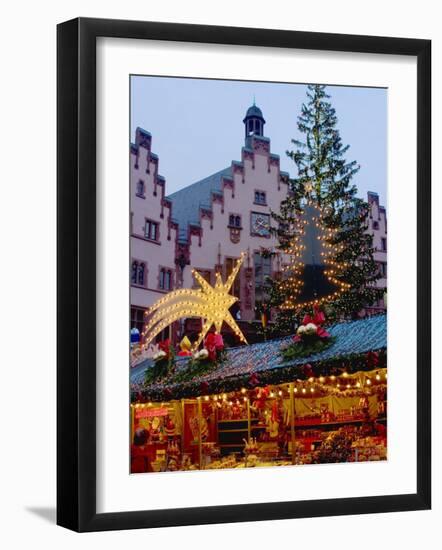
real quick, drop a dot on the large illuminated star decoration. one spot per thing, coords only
(212, 303)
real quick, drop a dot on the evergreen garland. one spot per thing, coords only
(161, 368)
(158, 371)
(199, 367)
(306, 348)
(200, 385)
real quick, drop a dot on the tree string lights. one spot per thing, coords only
(293, 280)
(211, 303)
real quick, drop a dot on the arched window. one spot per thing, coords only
(141, 272)
(134, 272)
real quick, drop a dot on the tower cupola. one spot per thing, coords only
(254, 122)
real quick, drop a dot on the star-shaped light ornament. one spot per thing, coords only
(212, 303)
(308, 187)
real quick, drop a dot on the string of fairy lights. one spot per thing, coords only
(292, 282)
(343, 385)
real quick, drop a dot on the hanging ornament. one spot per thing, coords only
(204, 387)
(254, 379)
(308, 370)
(372, 359)
(168, 393)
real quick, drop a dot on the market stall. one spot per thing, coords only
(260, 405)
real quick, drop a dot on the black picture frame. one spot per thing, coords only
(76, 274)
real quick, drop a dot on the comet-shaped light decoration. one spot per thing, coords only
(211, 303)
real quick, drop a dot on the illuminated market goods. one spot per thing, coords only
(256, 409)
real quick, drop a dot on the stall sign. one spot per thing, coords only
(149, 413)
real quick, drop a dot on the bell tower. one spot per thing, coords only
(253, 123)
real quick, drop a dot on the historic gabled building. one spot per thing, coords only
(153, 233)
(229, 212)
(207, 224)
(377, 227)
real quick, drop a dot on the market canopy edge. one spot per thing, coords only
(352, 342)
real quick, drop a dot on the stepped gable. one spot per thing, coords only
(194, 202)
(142, 151)
(191, 204)
(143, 158)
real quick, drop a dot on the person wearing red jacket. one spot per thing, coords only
(139, 459)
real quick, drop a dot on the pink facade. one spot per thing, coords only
(208, 224)
(153, 235)
(236, 222)
(377, 227)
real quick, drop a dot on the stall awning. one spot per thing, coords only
(353, 341)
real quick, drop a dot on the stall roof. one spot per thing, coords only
(353, 340)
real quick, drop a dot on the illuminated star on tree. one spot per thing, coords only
(211, 303)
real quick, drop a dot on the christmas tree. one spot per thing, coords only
(325, 181)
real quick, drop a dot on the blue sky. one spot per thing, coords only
(197, 127)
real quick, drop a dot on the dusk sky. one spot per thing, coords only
(197, 127)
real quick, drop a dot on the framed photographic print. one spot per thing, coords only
(243, 256)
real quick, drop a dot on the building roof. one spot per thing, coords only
(187, 202)
(254, 111)
(353, 340)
